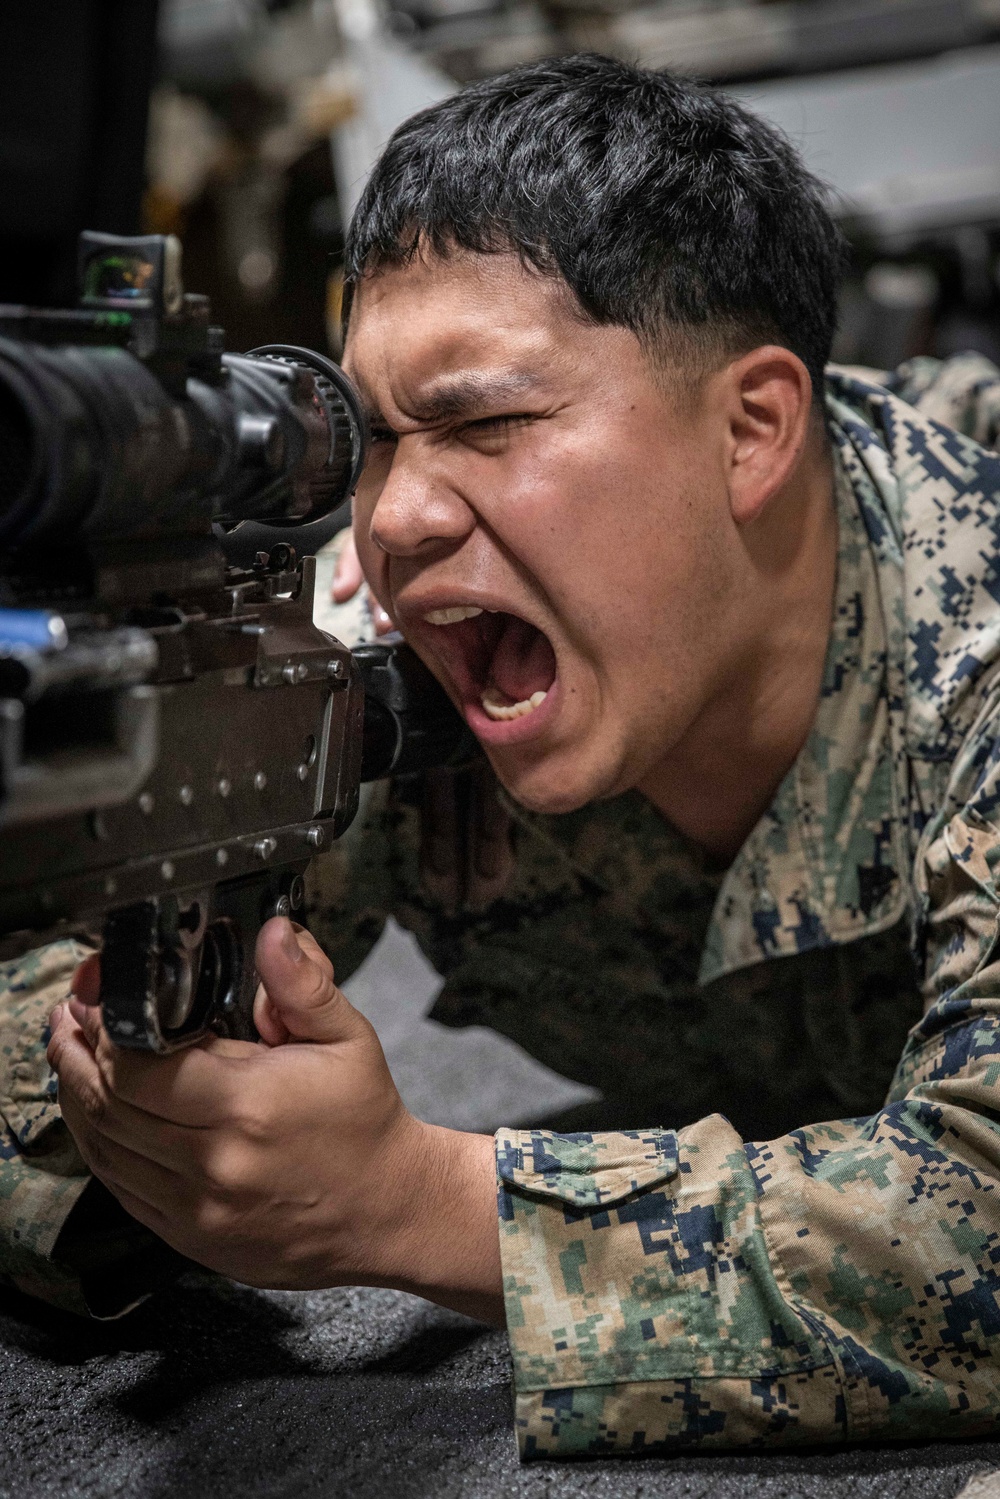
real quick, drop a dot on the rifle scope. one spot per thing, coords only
(124, 419)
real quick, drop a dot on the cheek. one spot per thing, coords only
(554, 504)
(612, 542)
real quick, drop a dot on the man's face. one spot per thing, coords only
(545, 518)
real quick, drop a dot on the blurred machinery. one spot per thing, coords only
(240, 162)
(895, 103)
(912, 151)
(266, 115)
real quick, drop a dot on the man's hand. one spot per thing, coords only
(287, 1163)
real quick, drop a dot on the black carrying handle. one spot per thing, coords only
(410, 722)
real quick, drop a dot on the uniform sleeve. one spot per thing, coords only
(42, 1175)
(668, 1289)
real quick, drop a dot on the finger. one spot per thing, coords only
(89, 1018)
(123, 1071)
(310, 947)
(84, 1098)
(298, 978)
(86, 1011)
(86, 984)
(271, 1029)
(87, 1104)
(347, 575)
(163, 1218)
(87, 1014)
(173, 1227)
(144, 1212)
(65, 1036)
(117, 1163)
(199, 1086)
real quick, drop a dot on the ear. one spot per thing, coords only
(769, 401)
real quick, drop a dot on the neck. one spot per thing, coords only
(722, 776)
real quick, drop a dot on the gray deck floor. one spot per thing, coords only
(213, 1390)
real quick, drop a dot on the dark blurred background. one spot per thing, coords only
(247, 126)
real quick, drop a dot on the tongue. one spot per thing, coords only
(523, 661)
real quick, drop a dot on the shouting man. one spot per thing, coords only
(727, 626)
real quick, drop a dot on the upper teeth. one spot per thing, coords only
(452, 616)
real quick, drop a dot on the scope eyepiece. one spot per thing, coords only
(345, 422)
(112, 431)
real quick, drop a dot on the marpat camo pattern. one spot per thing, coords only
(769, 1280)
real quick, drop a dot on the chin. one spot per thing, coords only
(556, 783)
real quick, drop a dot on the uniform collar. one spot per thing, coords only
(823, 864)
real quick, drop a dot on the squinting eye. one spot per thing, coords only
(497, 424)
(381, 434)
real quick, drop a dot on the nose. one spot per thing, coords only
(418, 508)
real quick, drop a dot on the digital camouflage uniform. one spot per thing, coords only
(757, 1278)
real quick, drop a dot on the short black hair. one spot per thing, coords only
(665, 205)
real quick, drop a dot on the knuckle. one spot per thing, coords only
(212, 1218)
(255, 1122)
(324, 965)
(95, 1154)
(319, 958)
(320, 991)
(317, 991)
(223, 1172)
(94, 1104)
(109, 1057)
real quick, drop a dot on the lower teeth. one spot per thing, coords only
(497, 709)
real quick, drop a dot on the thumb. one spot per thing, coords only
(86, 982)
(300, 992)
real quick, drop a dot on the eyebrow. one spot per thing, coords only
(462, 394)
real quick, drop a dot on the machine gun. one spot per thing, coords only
(177, 737)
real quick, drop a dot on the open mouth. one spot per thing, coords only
(500, 662)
